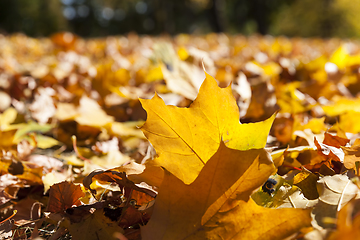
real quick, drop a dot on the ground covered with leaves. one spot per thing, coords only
(136, 137)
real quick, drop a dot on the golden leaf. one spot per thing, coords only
(186, 138)
(217, 205)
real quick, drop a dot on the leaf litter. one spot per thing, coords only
(129, 138)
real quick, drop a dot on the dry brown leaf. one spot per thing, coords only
(352, 154)
(96, 226)
(28, 210)
(6, 229)
(64, 195)
(335, 192)
(118, 177)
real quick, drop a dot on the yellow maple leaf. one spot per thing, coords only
(217, 204)
(186, 138)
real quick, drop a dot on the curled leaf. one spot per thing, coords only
(64, 195)
(117, 177)
(329, 152)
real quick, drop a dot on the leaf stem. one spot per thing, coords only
(294, 168)
(14, 212)
(73, 138)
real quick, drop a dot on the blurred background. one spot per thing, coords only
(91, 18)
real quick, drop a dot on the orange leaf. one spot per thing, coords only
(329, 152)
(335, 141)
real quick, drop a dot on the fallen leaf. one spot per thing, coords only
(283, 129)
(342, 105)
(5, 101)
(112, 159)
(178, 84)
(9, 187)
(141, 198)
(31, 175)
(46, 142)
(43, 107)
(217, 205)
(64, 195)
(24, 149)
(192, 135)
(7, 118)
(6, 227)
(31, 127)
(352, 154)
(127, 129)
(6, 138)
(47, 162)
(291, 100)
(65, 40)
(285, 194)
(308, 136)
(335, 192)
(263, 101)
(348, 222)
(91, 114)
(335, 141)
(306, 181)
(131, 217)
(153, 174)
(52, 178)
(329, 152)
(96, 226)
(243, 88)
(250, 221)
(316, 125)
(297, 200)
(114, 176)
(66, 112)
(349, 121)
(28, 210)
(181, 77)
